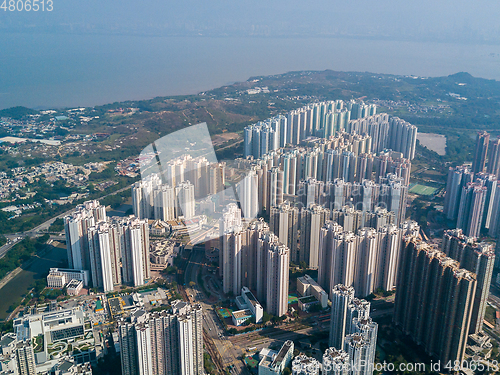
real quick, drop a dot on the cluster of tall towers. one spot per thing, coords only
(485, 161)
(259, 195)
(324, 120)
(475, 257)
(389, 194)
(163, 343)
(353, 334)
(254, 257)
(301, 229)
(473, 193)
(434, 300)
(282, 171)
(367, 260)
(172, 193)
(114, 250)
(441, 295)
(333, 172)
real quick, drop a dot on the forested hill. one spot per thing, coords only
(457, 106)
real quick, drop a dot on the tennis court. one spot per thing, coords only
(422, 189)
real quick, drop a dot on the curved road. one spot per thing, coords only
(44, 226)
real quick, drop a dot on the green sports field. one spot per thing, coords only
(422, 190)
(252, 362)
(225, 313)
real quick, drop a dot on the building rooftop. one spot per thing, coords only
(242, 314)
(282, 353)
(308, 299)
(252, 298)
(73, 283)
(7, 340)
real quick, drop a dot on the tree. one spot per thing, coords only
(287, 371)
(315, 308)
(266, 317)
(57, 225)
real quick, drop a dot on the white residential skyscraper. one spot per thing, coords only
(228, 223)
(128, 348)
(458, 177)
(144, 349)
(352, 330)
(304, 365)
(164, 343)
(335, 362)
(76, 227)
(312, 220)
(470, 213)
(359, 351)
(186, 201)
(275, 188)
(104, 248)
(278, 261)
(134, 242)
(341, 298)
(367, 260)
(232, 243)
(165, 203)
(248, 193)
(284, 222)
(143, 197)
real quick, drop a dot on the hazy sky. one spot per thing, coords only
(441, 20)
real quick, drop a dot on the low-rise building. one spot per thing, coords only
(163, 253)
(241, 316)
(273, 363)
(306, 286)
(69, 367)
(52, 332)
(159, 228)
(305, 303)
(74, 287)
(56, 281)
(251, 303)
(59, 277)
(7, 344)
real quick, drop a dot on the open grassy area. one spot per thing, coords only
(422, 189)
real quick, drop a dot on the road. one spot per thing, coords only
(211, 323)
(44, 227)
